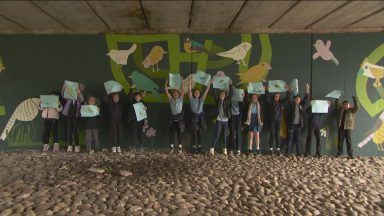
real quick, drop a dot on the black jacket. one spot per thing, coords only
(276, 108)
(290, 111)
(226, 102)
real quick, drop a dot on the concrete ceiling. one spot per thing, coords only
(193, 16)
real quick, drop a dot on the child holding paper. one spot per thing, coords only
(177, 124)
(137, 126)
(91, 125)
(223, 114)
(50, 118)
(254, 122)
(115, 110)
(198, 123)
(295, 120)
(235, 122)
(345, 123)
(276, 107)
(71, 112)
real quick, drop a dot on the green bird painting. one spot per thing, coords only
(143, 83)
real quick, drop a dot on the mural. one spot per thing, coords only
(145, 62)
(322, 51)
(2, 67)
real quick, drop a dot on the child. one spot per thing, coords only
(198, 121)
(345, 124)
(235, 123)
(91, 125)
(276, 107)
(223, 114)
(254, 122)
(115, 111)
(295, 121)
(50, 118)
(137, 126)
(177, 123)
(71, 111)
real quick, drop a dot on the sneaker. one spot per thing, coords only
(238, 152)
(180, 149)
(113, 149)
(45, 147)
(225, 151)
(278, 153)
(199, 150)
(172, 149)
(257, 152)
(118, 149)
(56, 147)
(91, 152)
(212, 151)
(194, 150)
(77, 149)
(69, 149)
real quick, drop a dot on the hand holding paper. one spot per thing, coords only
(220, 82)
(335, 94)
(275, 86)
(320, 106)
(237, 95)
(70, 90)
(49, 101)
(256, 88)
(140, 111)
(89, 111)
(174, 81)
(202, 78)
(112, 87)
(294, 87)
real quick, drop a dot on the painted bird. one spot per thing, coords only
(237, 53)
(373, 71)
(255, 73)
(154, 57)
(192, 46)
(322, 50)
(143, 83)
(376, 134)
(121, 56)
(25, 111)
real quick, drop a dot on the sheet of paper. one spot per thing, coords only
(70, 91)
(255, 88)
(89, 111)
(220, 82)
(186, 83)
(237, 94)
(201, 78)
(112, 86)
(335, 94)
(140, 111)
(174, 81)
(277, 86)
(295, 86)
(320, 106)
(49, 101)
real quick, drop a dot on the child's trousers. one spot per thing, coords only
(92, 137)
(50, 126)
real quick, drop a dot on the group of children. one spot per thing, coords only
(231, 115)
(114, 104)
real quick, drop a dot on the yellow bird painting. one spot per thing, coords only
(255, 73)
(154, 57)
(373, 71)
(376, 134)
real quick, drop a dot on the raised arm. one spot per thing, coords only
(182, 88)
(355, 105)
(207, 89)
(166, 89)
(190, 88)
(306, 97)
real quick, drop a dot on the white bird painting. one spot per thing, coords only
(121, 56)
(25, 111)
(237, 53)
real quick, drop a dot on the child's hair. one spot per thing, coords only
(345, 102)
(137, 93)
(54, 93)
(297, 96)
(175, 90)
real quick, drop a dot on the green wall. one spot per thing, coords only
(37, 64)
